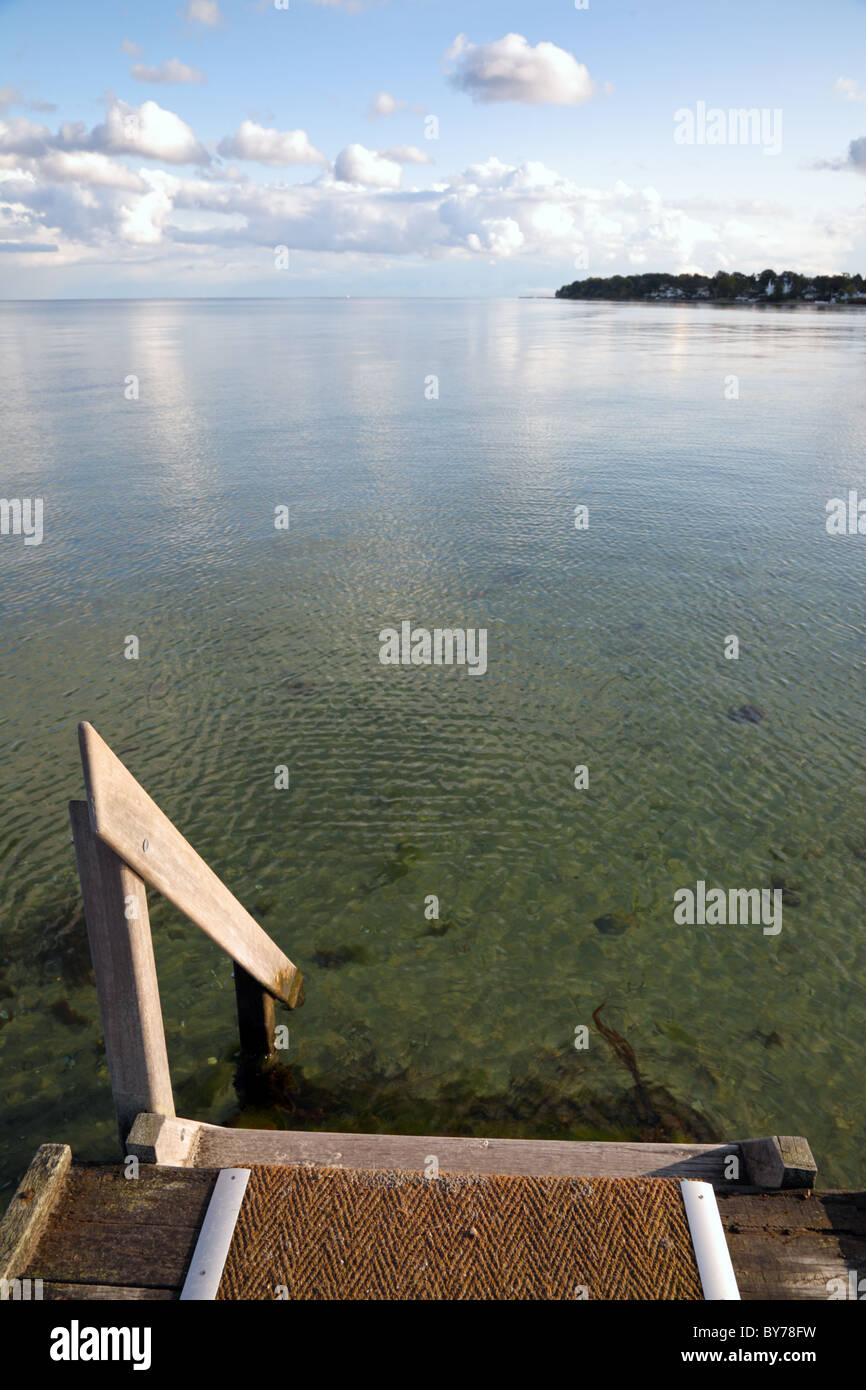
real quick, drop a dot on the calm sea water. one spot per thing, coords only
(606, 648)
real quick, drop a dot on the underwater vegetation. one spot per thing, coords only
(747, 714)
(50, 941)
(542, 1101)
(404, 858)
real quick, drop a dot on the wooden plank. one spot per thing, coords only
(104, 1195)
(841, 1212)
(790, 1267)
(164, 1139)
(77, 1293)
(121, 948)
(255, 1017)
(793, 1245)
(28, 1212)
(80, 1252)
(783, 1160)
(128, 1232)
(228, 1148)
(130, 822)
(137, 1236)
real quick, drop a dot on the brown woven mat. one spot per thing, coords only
(334, 1233)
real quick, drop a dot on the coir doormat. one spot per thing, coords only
(333, 1233)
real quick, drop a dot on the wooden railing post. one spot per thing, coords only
(125, 818)
(118, 928)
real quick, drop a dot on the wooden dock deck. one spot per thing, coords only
(129, 1230)
(92, 1232)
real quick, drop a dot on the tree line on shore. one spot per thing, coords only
(769, 285)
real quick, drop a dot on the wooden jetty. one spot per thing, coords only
(87, 1231)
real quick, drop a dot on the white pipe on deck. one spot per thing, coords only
(708, 1238)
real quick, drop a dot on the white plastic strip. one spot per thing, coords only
(708, 1238)
(215, 1236)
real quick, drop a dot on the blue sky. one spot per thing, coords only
(555, 154)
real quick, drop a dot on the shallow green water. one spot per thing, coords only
(259, 648)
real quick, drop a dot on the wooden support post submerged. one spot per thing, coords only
(255, 1017)
(118, 928)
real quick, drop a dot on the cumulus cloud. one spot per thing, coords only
(148, 131)
(131, 48)
(854, 161)
(849, 88)
(265, 146)
(356, 164)
(383, 104)
(72, 190)
(88, 168)
(510, 69)
(406, 154)
(172, 70)
(206, 12)
(857, 154)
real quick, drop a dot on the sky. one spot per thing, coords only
(424, 147)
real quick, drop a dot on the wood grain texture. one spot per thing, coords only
(795, 1245)
(113, 1237)
(127, 820)
(121, 948)
(783, 1160)
(104, 1293)
(227, 1148)
(31, 1207)
(163, 1139)
(115, 1231)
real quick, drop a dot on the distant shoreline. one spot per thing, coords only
(769, 287)
(821, 304)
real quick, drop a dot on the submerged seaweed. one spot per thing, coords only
(52, 941)
(341, 955)
(405, 857)
(541, 1102)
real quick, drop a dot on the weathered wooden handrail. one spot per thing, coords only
(123, 841)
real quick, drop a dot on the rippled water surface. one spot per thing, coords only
(606, 648)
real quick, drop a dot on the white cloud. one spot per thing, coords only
(65, 190)
(253, 141)
(849, 88)
(406, 154)
(205, 12)
(383, 104)
(89, 169)
(510, 69)
(172, 70)
(142, 220)
(131, 48)
(356, 164)
(147, 130)
(22, 136)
